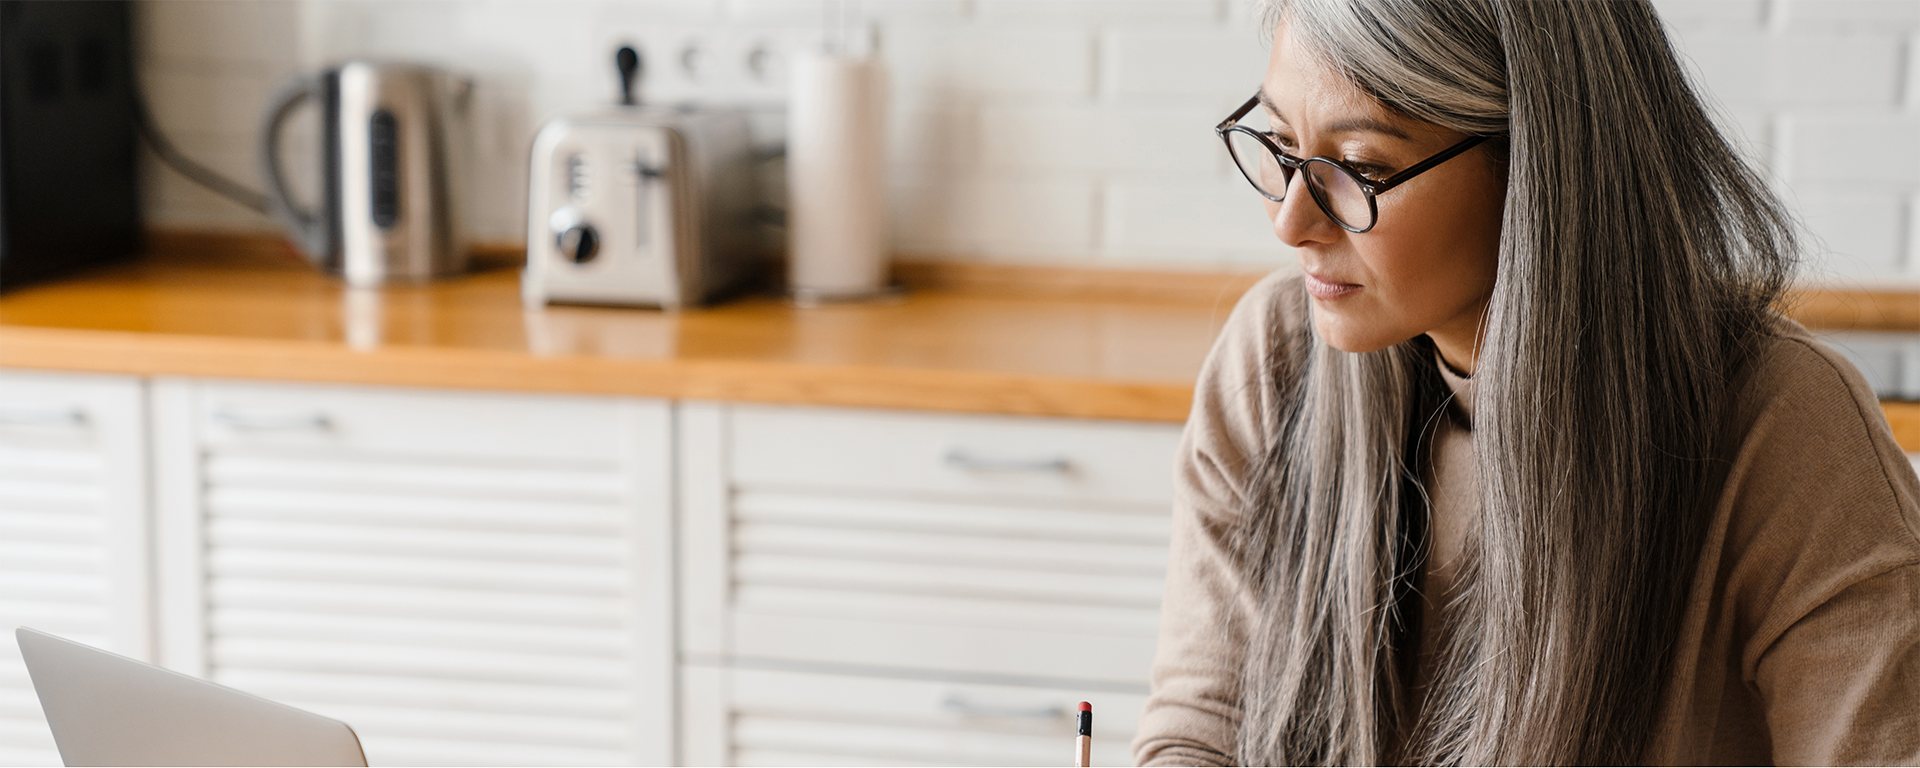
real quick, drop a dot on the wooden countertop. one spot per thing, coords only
(238, 307)
(978, 339)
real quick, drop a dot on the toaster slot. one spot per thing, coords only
(646, 173)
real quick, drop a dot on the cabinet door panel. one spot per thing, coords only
(72, 532)
(463, 578)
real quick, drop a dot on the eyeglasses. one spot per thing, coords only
(1343, 193)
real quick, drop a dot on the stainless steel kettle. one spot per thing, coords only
(394, 159)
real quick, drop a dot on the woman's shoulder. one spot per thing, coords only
(1802, 403)
(1819, 495)
(1235, 397)
(1270, 320)
(1261, 337)
(1277, 302)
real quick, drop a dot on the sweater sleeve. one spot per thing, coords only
(1818, 575)
(1193, 714)
(1842, 685)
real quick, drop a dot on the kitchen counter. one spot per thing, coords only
(976, 339)
(241, 307)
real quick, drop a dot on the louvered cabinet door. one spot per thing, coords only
(984, 573)
(73, 532)
(464, 579)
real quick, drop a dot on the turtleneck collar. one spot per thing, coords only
(1462, 388)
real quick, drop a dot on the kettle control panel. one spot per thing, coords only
(383, 173)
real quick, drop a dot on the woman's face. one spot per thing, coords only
(1428, 264)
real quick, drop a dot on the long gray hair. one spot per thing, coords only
(1638, 256)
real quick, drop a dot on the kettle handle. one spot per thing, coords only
(310, 231)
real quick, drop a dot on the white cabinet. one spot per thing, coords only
(477, 579)
(466, 579)
(73, 531)
(874, 587)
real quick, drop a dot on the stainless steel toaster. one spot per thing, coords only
(641, 206)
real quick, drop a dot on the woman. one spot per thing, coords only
(1525, 468)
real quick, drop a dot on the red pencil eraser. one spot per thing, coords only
(1085, 707)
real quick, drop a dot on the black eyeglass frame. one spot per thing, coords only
(1371, 188)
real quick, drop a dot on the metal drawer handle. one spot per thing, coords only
(962, 460)
(49, 417)
(958, 704)
(273, 422)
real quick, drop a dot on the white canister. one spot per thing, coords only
(837, 179)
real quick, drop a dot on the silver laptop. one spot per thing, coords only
(107, 709)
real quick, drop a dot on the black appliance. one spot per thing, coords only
(69, 193)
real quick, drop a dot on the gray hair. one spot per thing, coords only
(1638, 257)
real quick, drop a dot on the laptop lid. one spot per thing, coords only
(107, 709)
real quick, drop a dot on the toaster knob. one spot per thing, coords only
(580, 243)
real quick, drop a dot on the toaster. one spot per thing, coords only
(641, 207)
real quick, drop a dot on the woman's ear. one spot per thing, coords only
(1499, 154)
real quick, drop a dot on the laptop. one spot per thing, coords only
(107, 709)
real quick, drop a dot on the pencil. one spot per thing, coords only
(1083, 743)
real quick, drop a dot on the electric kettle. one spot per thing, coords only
(393, 141)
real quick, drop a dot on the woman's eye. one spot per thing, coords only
(1370, 171)
(1280, 141)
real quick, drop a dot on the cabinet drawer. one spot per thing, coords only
(550, 429)
(790, 718)
(1108, 657)
(1033, 590)
(806, 448)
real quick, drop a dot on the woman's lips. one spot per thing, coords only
(1328, 289)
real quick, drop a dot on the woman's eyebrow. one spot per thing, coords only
(1349, 125)
(1267, 101)
(1354, 124)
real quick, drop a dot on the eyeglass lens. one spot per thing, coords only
(1335, 190)
(1339, 194)
(1259, 165)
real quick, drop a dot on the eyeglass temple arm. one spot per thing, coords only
(1237, 114)
(1398, 178)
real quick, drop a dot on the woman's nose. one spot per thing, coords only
(1298, 220)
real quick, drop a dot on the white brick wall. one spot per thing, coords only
(1033, 130)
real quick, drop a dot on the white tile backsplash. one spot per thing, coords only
(1713, 14)
(1910, 82)
(1188, 11)
(1024, 130)
(1850, 14)
(1911, 237)
(960, 214)
(228, 31)
(1817, 69)
(1192, 222)
(1087, 137)
(1173, 60)
(1051, 60)
(1880, 151)
(811, 12)
(1857, 234)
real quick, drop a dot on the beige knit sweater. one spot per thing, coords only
(1801, 644)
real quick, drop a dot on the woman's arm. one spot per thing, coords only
(1193, 715)
(1842, 685)
(1803, 645)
